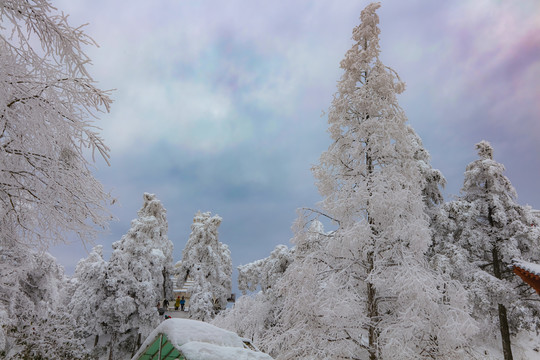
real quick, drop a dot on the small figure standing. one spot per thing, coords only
(166, 304)
(160, 310)
(177, 303)
(182, 303)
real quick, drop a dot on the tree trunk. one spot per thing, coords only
(373, 314)
(505, 333)
(112, 344)
(503, 319)
(372, 308)
(137, 345)
(165, 282)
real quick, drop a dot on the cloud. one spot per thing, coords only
(471, 68)
(208, 75)
(218, 104)
(191, 115)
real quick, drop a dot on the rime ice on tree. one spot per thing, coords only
(208, 262)
(254, 317)
(48, 101)
(477, 237)
(47, 105)
(265, 272)
(138, 276)
(88, 294)
(388, 301)
(365, 290)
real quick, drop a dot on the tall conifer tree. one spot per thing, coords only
(478, 236)
(384, 297)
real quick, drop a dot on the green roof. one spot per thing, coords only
(161, 349)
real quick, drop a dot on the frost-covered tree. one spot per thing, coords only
(249, 318)
(266, 272)
(432, 179)
(254, 315)
(478, 235)
(208, 262)
(48, 101)
(137, 277)
(34, 323)
(87, 295)
(300, 323)
(382, 299)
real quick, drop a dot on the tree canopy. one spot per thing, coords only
(48, 103)
(207, 261)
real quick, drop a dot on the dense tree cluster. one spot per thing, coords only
(477, 237)
(48, 101)
(110, 304)
(137, 277)
(402, 275)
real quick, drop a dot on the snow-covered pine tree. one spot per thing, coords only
(477, 236)
(34, 323)
(432, 179)
(88, 294)
(208, 262)
(254, 316)
(137, 277)
(381, 296)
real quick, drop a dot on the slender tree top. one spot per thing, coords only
(366, 36)
(485, 151)
(484, 181)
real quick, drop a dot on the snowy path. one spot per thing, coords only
(177, 314)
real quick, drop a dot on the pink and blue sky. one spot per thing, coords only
(218, 104)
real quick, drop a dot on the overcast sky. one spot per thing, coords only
(219, 105)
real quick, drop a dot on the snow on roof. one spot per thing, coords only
(202, 341)
(527, 266)
(195, 350)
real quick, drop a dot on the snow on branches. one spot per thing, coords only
(477, 236)
(47, 105)
(372, 179)
(137, 276)
(208, 263)
(265, 272)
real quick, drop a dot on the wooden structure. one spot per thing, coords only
(161, 349)
(529, 272)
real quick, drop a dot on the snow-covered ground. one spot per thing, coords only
(177, 314)
(525, 346)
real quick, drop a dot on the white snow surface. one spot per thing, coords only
(202, 341)
(195, 350)
(158, 253)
